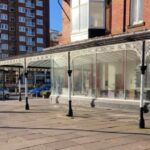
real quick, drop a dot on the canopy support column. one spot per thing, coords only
(26, 87)
(4, 98)
(70, 111)
(143, 69)
(19, 86)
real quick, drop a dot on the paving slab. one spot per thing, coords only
(46, 127)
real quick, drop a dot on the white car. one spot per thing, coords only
(4, 92)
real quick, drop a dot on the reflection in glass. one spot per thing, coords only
(147, 80)
(133, 76)
(110, 75)
(60, 81)
(84, 76)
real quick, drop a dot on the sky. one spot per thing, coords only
(55, 15)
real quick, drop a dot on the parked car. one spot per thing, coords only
(4, 92)
(36, 91)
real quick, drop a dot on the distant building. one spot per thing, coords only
(24, 26)
(54, 37)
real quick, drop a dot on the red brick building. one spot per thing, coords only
(24, 26)
(120, 16)
(105, 41)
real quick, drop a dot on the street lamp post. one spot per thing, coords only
(70, 112)
(143, 69)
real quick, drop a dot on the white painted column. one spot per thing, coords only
(143, 69)
(52, 76)
(26, 85)
(70, 112)
(19, 85)
(142, 92)
(125, 73)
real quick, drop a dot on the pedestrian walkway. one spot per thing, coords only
(46, 127)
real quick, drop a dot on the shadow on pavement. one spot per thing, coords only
(23, 112)
(81, 130)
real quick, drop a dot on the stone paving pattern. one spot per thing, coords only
(46, 127)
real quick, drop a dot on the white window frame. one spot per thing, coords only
(39, 3)
(135, 16)
(3, 6)
(22, 38)
(4, 46)
(39, 31)
(4, 26)
(21, 9)
(39, 49)
(4, 36)
(39, 12)
(39, 22)
(21, 1)
(22, 48)
(22, 19)
(40, 40)
(78, 6)
(3, 16)
(22, 29)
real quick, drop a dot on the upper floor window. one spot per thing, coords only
(39, 21)
(136, 12)
(3, 6)
(39, 31)
(87, 14)
(4, 36)
(22, 1)
(22, 19)
(79, 15)
(29, 48)
(39, 3)
(39, 49)
(3, 16)
(30, 31)
(4, 46)
(39, 12)
(22, 48)
(22, 9)
(97, 14)
(4, 26)
(39, 40)
(22, 38)
(22, 29)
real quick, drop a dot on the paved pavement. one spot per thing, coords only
(46, 127)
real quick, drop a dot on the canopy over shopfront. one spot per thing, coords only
(104, 67)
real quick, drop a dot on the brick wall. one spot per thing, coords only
(117, 16)
(146, 13)
(65, 38)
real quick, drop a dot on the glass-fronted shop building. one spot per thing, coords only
(102, 68)
(107, 72)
